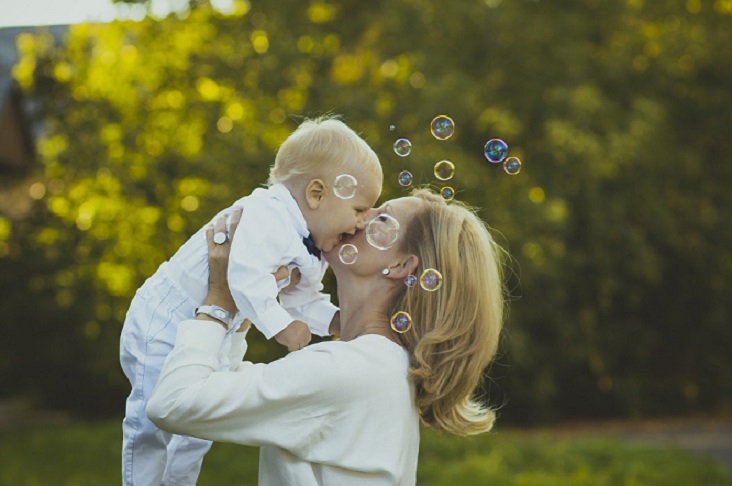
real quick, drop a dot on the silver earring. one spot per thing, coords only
(385, 272)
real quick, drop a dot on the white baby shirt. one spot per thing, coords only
(269, 236)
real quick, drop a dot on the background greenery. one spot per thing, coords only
(88, 454)
(620, 223)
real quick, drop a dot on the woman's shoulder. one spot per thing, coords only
(363, 346)
(367, 359)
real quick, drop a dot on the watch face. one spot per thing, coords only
(220, 314)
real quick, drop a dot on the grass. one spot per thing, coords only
(88, 454)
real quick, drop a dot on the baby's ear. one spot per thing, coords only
(314, 193)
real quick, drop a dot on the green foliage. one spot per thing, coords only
(620, 224)
(88, 454)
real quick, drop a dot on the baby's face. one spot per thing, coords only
(337, 216)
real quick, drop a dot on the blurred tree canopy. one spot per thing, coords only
(619, 225)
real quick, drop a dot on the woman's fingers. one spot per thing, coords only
(220, 227)
(295, 276)
(209, 237)
(294, 279)
(281, 273)
(234, 222)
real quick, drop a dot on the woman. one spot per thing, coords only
(347, 412)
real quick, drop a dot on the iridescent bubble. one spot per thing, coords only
(442, 127)
(392, 128)
(402, 147)
(410, 280)
(345, 186)
(512, 165)
(447, 193)
(348, 254)
(382, 231)
(405, 178)
(444, 170)
(401, 322)
(430, 280)
(496, 150)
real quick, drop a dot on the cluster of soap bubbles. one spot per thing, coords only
(496, 151)
(430, 280)
(382, 232)
(442, 127)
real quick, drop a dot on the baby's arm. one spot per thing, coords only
(312, 307)
(254, 255)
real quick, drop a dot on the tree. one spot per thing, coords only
(619, 223)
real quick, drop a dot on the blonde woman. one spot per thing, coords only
(347, 412)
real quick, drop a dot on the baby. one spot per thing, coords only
(324, 180)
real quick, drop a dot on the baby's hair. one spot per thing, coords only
(456, 329)
(322, 146)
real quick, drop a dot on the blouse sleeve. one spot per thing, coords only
(290, 403)
(238, 348)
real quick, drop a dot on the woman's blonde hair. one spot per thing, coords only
(322, 146)
(456, 328)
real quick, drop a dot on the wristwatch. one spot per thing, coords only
(218, 313)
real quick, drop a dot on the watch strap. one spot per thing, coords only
(218, 313)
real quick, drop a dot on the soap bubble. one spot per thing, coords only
(444, 170)
(405, 178)
(392, 128)
(496, 150)
(348, 254)
(442, 127)
(410, 280)
(345, 186)
(447, 193)
(430, 280)
(402, 147)
(512, 165)
(401, 322)
(382, 231)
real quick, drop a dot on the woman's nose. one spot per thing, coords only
(369, 215)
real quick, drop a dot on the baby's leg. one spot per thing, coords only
(185, 454)
(185, 457)
(147, 338)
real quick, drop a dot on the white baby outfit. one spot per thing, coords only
(270, 235)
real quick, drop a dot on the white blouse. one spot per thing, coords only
(334, 413)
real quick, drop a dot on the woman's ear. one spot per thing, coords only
(314, 193)
(407, 266)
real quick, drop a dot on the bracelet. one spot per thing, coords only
(218, 313)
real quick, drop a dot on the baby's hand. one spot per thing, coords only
(295, 336)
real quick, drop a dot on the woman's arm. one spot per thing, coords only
(284, 402)
(293, 402)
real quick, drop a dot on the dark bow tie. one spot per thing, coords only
(310, 245)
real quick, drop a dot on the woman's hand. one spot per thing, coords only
(218, 263)
(283, 272)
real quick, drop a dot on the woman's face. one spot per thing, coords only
(371, 260)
